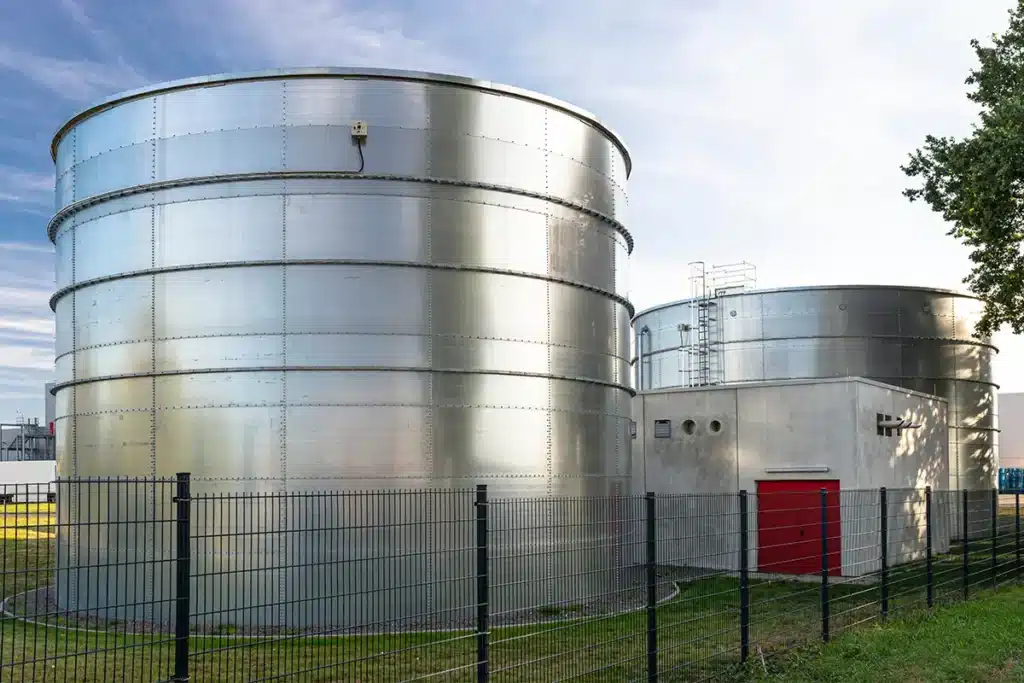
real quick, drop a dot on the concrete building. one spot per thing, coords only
(1011, 429)
(785, 441)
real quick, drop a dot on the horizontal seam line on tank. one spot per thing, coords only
(892, 337)
(146, 143)
(929, 378)
(327, 404)
(738, 383)
(59, 294)
(248, 335)
(116, 210)
(338, 368)
(75, 207)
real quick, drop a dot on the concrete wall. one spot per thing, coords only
(825, 424)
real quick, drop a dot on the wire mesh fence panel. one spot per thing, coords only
(786, 583)
(948, 568)
(907, 550)
(698, 542)
(86, 581)
(857, 587)
(568, 592)
(976, 509)
(1011, 548)
(154, 580)
(1005, 536)
(334, 586)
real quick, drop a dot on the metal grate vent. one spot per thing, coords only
(662, 429)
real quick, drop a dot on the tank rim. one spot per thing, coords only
(812, 288)
(214, 80)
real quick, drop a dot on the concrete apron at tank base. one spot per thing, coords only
(630, 598)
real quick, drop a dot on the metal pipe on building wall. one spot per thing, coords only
(345, 279)
(644, 333)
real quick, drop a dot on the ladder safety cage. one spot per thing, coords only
(700, 346)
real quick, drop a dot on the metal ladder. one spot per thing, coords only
(700, 339)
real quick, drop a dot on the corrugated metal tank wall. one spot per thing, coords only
(918, 338)
(236, 301)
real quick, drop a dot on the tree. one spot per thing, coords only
(977, 183)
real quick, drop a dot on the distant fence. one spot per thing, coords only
(155, 580)
(1011, 478)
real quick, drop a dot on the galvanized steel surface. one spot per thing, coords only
(918, 338)
(235, 299)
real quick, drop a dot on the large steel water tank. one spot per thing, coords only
(918, 338)
(247, 292)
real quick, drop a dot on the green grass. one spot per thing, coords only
(698, 635)
(979, 640)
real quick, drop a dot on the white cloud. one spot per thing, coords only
(26, 357)
(268, 33)
(80, 80)
(26, 322)
(30, 187)
(27, 247)
(26, 327)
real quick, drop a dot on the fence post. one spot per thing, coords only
(1016, 501)
(883, 505)
(744, 580)
(995, 535)
(483, 665)
(963, 532)
(183, 553)
(928, 544)
(652, 587)
(824, 565)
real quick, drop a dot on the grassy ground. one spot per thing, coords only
(27, 521)
(698, 633)
(974, 641)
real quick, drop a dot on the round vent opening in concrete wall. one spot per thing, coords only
(715, 426)
(689, 426)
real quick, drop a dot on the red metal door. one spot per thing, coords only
(789, 526)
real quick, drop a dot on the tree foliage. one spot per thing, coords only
(977, 183)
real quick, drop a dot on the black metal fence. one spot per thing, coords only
(174, 580)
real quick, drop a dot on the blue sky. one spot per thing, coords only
(770, 132)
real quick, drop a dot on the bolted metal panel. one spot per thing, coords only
(236, 299)
(918, 338)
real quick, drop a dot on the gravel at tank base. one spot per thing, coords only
(41, 606)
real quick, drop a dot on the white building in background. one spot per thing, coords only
(1011, 429)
